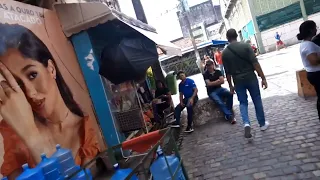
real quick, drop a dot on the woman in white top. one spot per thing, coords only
(310, 55)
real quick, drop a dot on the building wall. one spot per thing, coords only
(288, 31)
(240, 15)
(266, 6)
(202, 13)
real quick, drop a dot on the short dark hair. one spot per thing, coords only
(232, 34)
(209, 63)
(180, 72)
(159, 81)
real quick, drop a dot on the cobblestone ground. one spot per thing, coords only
(289, 149)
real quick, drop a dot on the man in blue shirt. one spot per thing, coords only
(279, 43)
(188, 98)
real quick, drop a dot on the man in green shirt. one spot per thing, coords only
(240, 64)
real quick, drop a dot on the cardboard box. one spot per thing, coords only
(305, 89)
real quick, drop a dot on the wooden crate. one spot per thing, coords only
(305, 89)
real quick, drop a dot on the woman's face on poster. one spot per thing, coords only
(36, 80)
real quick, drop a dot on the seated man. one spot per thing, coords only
(214, 80)
(188, 98)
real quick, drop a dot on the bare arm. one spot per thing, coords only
(169, 96)
(258, 68)
(218, 82)
(229, 79)
(195, 92)
(14, 174)
(314, 59)
(181, 98)
(37, 145)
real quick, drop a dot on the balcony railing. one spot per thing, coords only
(230, 6)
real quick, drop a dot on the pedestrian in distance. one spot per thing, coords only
(310, 55)
(279, 42)
(218, 58)
(240, 64)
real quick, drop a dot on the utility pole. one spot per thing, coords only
(303, 10)
(185, 15)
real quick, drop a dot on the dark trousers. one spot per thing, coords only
(314, 79)
(179, 109)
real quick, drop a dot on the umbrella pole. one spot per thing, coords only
(139, 103)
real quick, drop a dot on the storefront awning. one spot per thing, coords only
(78, 15)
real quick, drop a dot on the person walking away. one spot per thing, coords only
(218, 58)
(279, 42)
(310, 55)
(214, 79)
(240, 64)
(188, 98)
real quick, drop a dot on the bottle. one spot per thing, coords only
(121, 174)
(50, 167)
(31, 174)
(65, 159)
(82, 175)
(160, 170)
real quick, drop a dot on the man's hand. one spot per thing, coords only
(191, 101)
(182, 104)
(264, 84)
(232, 90)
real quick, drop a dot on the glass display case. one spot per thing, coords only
(124, 105)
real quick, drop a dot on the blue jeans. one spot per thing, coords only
(222, 69)
(254, 90)
(179, 109)
(218, 96)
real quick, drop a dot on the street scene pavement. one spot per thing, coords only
(289, 149)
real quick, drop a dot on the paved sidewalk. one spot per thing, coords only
(289, 149)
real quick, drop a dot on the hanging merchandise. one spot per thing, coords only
(121, 174)
(166, 166)
(30, 174)
(128, 59)
(50, 167)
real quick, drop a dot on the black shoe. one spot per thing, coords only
(231, 119)
(175, 125)
(189, 130)
(247, 132)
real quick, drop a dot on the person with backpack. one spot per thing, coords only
(240, 64)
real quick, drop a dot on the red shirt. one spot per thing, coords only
(218, 57)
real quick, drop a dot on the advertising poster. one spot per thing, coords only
(44, 98)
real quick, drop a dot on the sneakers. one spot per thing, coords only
(247, 131)
(189, 130)
(265, 127)
(231, 119)
(175, 125)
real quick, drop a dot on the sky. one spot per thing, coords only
(161, 14)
